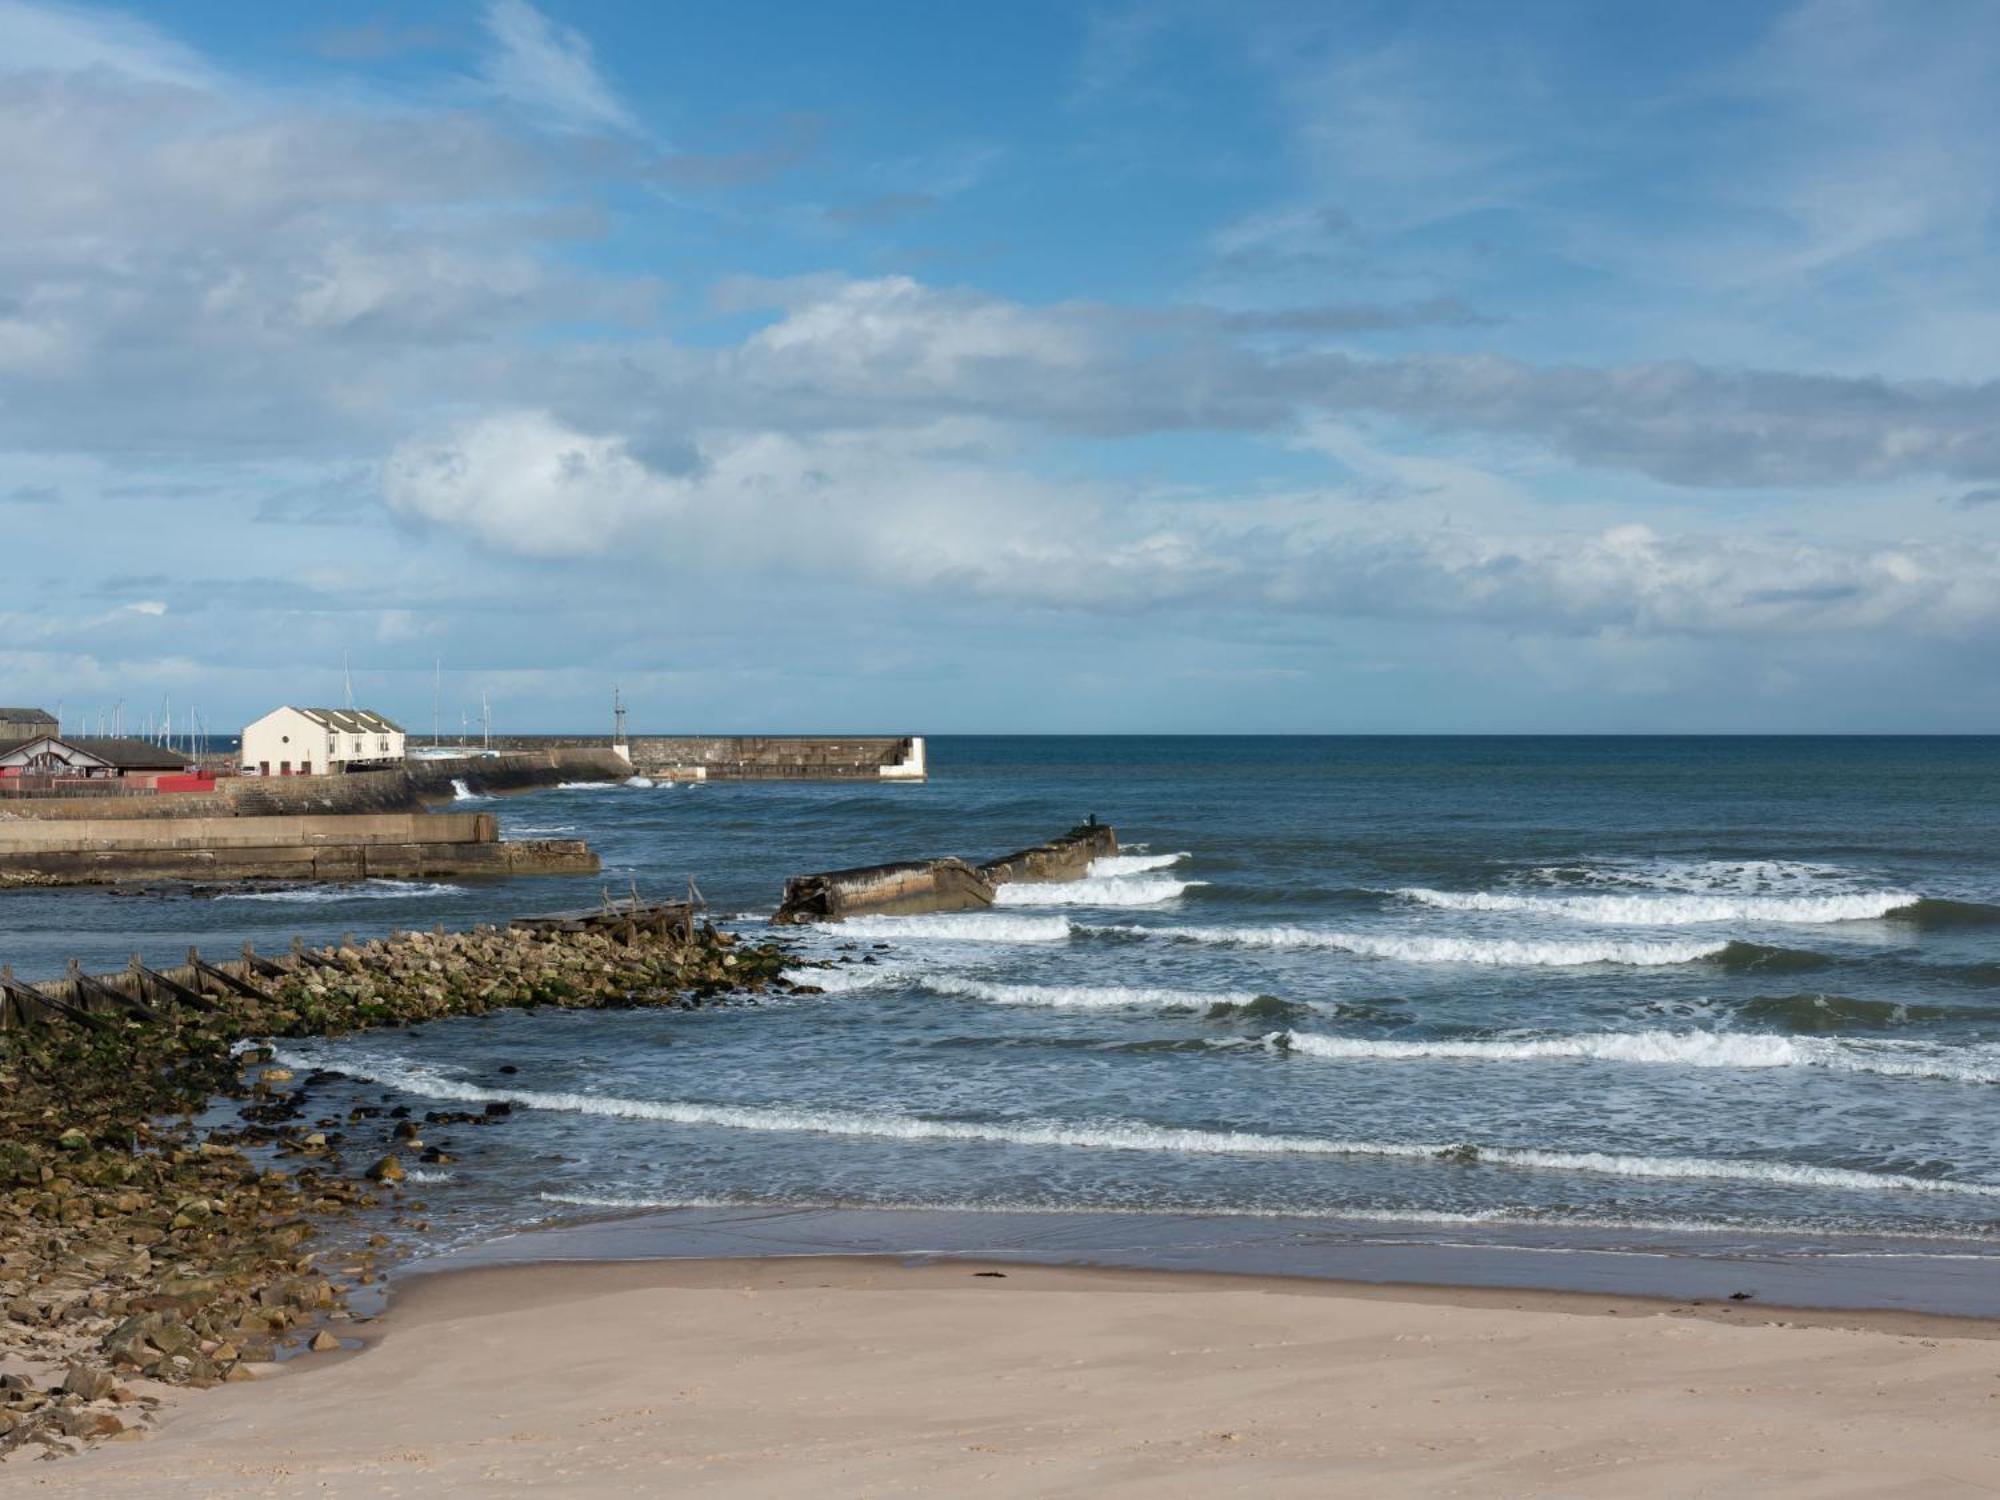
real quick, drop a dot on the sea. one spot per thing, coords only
(1624, 996)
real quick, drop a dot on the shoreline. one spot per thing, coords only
(1867, 1276)
(859, 1375)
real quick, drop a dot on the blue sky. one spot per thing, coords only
(1178, 367)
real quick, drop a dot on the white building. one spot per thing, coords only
(320, 741)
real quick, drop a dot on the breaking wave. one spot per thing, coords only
(1123, 891)
(1683, 910)
(1089, 997)
(971, 927)
(843, 978)
(589, 786)
(1110, 866)
(1506, 952)
(1125, 1135)
(367, 890)
(1686, 1049)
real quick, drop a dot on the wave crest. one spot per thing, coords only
(1685, 910)
(1123, 891)
(1089, 997)
(1110, 866)
(367, 890)
(958, 927)
(1686, 1049)
(1501, 952)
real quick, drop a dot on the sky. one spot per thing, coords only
(1197, 366)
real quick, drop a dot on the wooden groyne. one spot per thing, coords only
(915, 887)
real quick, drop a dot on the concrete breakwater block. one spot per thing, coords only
(915, 887)
(906, 889)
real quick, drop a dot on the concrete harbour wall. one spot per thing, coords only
(754, 757)
(315, 847)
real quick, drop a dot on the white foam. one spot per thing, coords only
(1121, 891)
(589, 786)
(1087, 997)
(460, 792)
(958, 927)
(643, 782)
(1702, 877)
(367, 890)
(844, 977)
(1123, 1135)
(1686, 1049)
(1505, 952)
(1111, 866)
(418, 1175)
(1676, 910)
(537, 831)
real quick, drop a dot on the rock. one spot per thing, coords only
(73, 1140)
(277, 1075)
(77, 1422)
(91, 1382)
(388, 1169)
(323, 1343)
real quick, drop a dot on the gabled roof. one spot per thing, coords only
(121, 754)
(351, 720)
(127, 755)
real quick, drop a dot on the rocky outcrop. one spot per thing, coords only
(136, 1244)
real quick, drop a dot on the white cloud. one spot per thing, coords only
(909, 509)
(548, 69)
(71, 39)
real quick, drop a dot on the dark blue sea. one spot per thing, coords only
(1623, 992)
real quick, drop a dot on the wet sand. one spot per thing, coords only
(852, 1376)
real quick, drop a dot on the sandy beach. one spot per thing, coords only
(862, 1377)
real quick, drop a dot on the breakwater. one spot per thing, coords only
(134, 1246)
(341, 846)
(756, 757)
(916, 887)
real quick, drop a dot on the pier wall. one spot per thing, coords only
(304, 847)
(755, 757)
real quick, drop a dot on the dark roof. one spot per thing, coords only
(128, 755)
(352, 720)
(27, 715)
